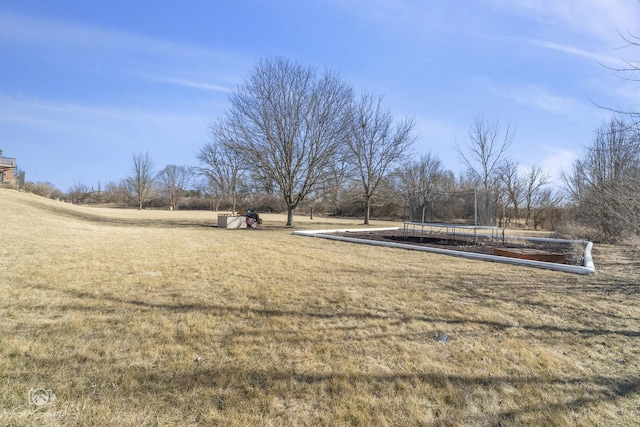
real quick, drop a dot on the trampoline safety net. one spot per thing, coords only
(472, 207)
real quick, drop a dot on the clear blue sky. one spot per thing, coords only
(84, 85)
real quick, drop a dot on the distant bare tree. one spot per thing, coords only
(78, 193)
(546, 208)
(535, 180)
(486, 150)
(44, 189)
(140, 182)
(172, 181)
(222, 163)
(513, 184)
(423, 182)
(289, 122)
(117, 192)
(334, 191)
(376, 144)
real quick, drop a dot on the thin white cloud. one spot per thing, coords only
(537, 96)
(540, 97)
(189, 83)
(597, 19)
(588, 29)
(22, 29)
(99, 49)
(575, 51)
(110, 125)
(555, 160)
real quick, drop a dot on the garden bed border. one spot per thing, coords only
(587, 268)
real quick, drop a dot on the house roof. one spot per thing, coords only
(7, 162)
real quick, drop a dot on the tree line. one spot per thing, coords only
(297, 139)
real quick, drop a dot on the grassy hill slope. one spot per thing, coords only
(136, 318)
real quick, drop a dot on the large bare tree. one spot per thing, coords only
(289, 121)
(376, 144)
(140, 182)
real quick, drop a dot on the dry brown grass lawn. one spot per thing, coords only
(110, 309)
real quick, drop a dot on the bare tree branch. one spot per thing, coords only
(376, 143)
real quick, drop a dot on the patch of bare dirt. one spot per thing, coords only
(480, 244)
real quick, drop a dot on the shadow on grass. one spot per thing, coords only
(215, 309)
(539, 296)
(240, 388)
(238, 384)
(246, 384)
